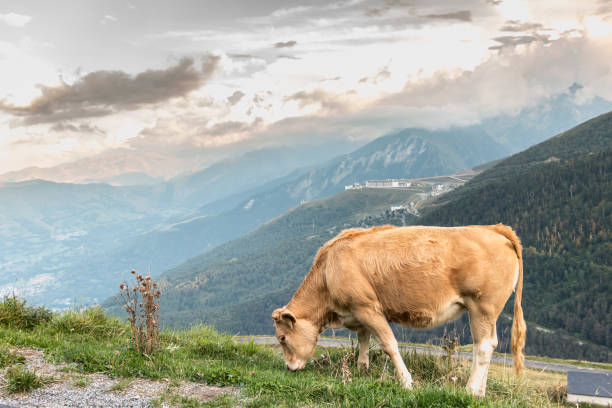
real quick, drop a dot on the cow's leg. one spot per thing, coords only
(484, 334)
(363, 361)
(377, 324)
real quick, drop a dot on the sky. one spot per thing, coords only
(85, 78)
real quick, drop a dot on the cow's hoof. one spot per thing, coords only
(476, 392)
(365, 367)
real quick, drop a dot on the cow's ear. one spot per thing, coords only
(288, 317)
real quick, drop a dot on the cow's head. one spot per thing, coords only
(298, 338)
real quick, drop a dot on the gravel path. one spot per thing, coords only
(96, 390)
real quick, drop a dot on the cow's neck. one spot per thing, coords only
(312, 301)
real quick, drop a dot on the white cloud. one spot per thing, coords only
(14, 19)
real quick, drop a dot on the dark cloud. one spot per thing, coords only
(329, 102)
(463, 15)
(382, 75)
(235, 97)
(387, 6)
(514, 40)
(605, 7)
(241, 56)
(101, 93)
(515, 26)
(224, 128)
(285, 44)
(61, 127)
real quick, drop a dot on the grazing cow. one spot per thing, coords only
(417, 276)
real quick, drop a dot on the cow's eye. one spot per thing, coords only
(281, 338)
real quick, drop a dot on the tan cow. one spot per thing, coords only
(417, 276)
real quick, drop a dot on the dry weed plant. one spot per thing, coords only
(142, 306)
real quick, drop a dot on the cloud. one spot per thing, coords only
(109, 19)
(386, 7)
(14, 19)
(514, 40)
(327, 101)
(495, 2)
(382, 75)
(76, 128)
(503, 84)
(605, 7)
(235, 97)
(102, 93)
(290, 57)
(241, 56)
(286, 44)
(515, 26)
(463, 15)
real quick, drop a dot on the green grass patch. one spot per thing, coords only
(200, 354)
(81, 381)
(91, 321)
(9, 357)
(20, 379)
(14, 313)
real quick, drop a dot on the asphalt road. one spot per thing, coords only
(534, 364)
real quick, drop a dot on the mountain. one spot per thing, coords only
(270, 259)
(553, 115)
(179, 235)
(246, 172)
(112, 164)
(44, 226)
(556, 195)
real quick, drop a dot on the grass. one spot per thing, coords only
(20, 379)
(203, 355)
(15, 313)
(121, 385)
(9, 357)
(81, 381)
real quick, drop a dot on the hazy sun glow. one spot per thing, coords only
(596, 27)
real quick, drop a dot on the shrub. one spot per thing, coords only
(91, 321)
(20, 379)
(15, 314)
(141, 305)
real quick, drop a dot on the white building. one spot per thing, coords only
(388, 183)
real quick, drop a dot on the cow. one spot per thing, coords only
(418, 276)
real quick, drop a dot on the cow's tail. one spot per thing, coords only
(519, 329)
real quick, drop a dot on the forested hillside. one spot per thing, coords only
(563, 213)
(556, 195)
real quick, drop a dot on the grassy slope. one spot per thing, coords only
(93, 342)
(263, 267)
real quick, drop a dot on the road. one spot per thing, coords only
(533, 364)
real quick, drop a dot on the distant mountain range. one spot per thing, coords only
(59, 238)
(556, 194)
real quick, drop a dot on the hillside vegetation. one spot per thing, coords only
(92, 342)
(556, 195)
(222, 286)
(563, 213)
